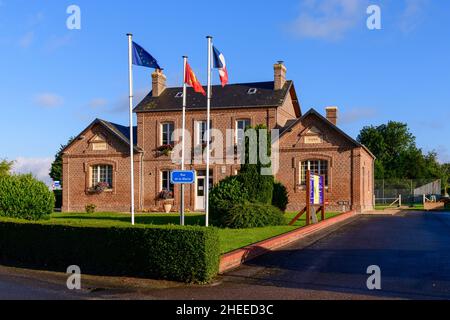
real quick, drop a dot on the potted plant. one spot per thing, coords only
(165, 149)
(166, 196)
(99, 187)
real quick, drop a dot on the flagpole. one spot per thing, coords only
(183, 154)
(130, 77)
(208, 130)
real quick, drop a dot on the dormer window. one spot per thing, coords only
(252, 91)
(179, 95)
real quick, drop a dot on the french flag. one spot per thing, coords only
(219, 63)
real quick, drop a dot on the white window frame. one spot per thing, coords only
(169, 186)
(320, 162)
(199, 136)
(249, 121)
(109, 175)
(168, 135)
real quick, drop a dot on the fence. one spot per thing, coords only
(411, 192)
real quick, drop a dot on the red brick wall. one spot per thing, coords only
(346, 163)
(76, 162)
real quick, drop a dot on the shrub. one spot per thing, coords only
(189, 254)
(22, 196)
(253, 215)
(90, 208)
(223, 196)
(280, 197)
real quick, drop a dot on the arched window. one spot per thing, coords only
(102, 173)
(317, 167)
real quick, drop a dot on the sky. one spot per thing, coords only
(54, 80)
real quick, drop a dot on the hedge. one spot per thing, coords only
(187, 254)
(24, 197)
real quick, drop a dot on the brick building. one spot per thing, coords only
(307, 140)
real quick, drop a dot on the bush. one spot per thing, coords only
(253, 215)
(259, 188)
(280, 196)
(189, 254)
(90, 208)
(223, 196)
(22, 196)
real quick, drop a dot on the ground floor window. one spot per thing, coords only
(318, 167)
(102, 174)
(165, 182)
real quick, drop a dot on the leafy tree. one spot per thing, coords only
(56, 169)
(5, 167)
(398, 156)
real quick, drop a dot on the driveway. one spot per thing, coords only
(412, 251)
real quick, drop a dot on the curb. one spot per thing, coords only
(238, 257)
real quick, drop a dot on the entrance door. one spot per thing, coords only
(200, 189)
(200, 194)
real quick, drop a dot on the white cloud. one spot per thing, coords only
(327, 19)
(357, 114)
(38, 167)
(412, 15)
(98, 102)
(26, 40)
(122, 103)
(48, 100)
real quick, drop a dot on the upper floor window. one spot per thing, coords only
(316, 167)
(241, 125)
(201, 128)
(167, 129)
(102, 174)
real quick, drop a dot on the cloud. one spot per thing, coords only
(357, 114)
(56, 42)
(38, 167)
(327, 19)
(412, 15)
(98, 103)
(26, 40)
(122, 103)
(48, 100)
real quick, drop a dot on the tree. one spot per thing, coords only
(398, 156)
(56, 169)
(5, 167)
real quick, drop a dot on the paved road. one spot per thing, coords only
(413, 252)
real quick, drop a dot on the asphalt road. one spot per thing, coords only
(412, 251)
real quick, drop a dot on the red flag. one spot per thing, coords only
(191, 80)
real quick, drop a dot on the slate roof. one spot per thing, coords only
(230, 96)
(121, 132)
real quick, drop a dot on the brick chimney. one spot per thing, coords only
(158, 83)
(332, 114)
(279, 75)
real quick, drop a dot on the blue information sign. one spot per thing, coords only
(182, 177)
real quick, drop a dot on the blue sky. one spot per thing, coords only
(55, 81)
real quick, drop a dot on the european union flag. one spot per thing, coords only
(143, 58)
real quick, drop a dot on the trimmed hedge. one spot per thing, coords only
(188, 254)
(24, 197)
(253, 215)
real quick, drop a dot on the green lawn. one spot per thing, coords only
(405, 206)
(230, 239)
